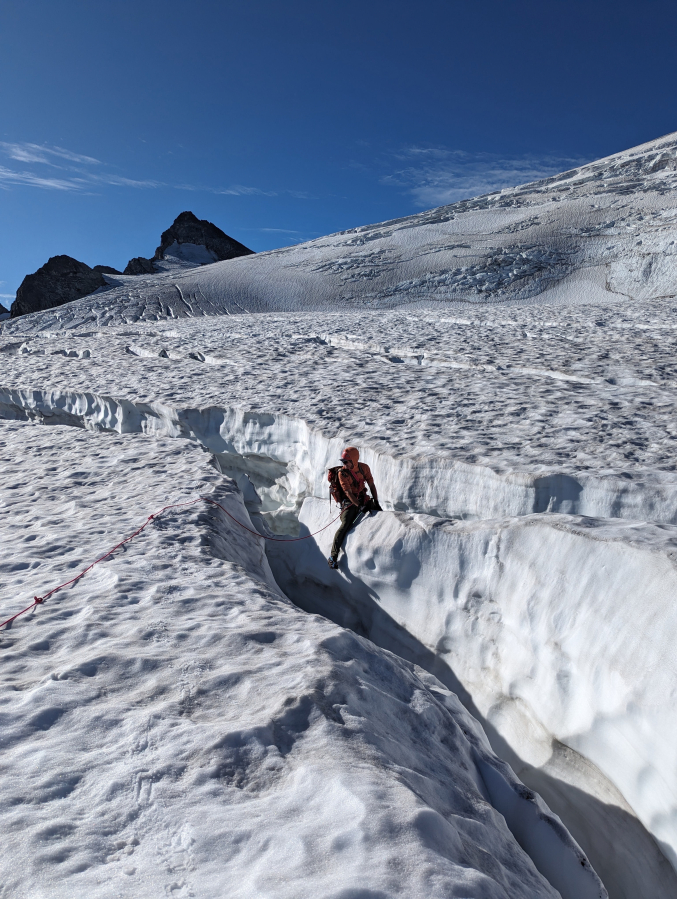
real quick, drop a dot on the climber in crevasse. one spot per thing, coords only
(348, 486)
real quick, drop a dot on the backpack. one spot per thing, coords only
(336, 492)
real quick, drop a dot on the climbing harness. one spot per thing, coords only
(38, 600)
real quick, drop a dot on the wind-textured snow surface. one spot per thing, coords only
(507, 367)
(601, 232)
(172, 725)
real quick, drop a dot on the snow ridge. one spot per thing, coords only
(614, 238)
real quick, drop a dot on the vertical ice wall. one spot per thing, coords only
(559, 632)
(283, 450)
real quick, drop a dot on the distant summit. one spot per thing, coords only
(188, 229)
(189, 242)
(59, 281)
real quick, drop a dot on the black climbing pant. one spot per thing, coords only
(348, 517)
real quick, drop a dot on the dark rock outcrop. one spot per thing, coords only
(139, 265)
(188, 228)
(59, 281)
(63, 278)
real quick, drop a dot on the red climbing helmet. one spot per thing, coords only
(352, 454)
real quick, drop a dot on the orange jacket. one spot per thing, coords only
(353, 483)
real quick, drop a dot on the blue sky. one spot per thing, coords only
(281, 122)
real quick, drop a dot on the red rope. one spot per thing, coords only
(38, 600)
(256, 533)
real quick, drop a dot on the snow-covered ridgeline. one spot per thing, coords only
(604, 231)
(561, 629)
(287, 460)
(172, 724)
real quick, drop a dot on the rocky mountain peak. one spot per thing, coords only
(189, 242)
(60, 280)
(187, 228)
(139, 265)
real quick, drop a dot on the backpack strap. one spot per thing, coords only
(359, 465)
(364, 486)
(362, 472)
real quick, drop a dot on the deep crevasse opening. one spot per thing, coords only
(415, 592)
(418, 483)
(535, 624)
(180, 672)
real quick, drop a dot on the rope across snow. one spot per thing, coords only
(38, 600)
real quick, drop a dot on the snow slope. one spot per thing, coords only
(602, 232)
(506, 366)
(172, 725)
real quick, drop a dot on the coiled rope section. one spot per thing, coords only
(38, 600)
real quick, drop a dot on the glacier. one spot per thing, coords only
(506, 366)
(175, 726)
(601, 232)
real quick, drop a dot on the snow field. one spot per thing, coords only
(483, 417)
(501, 357)
(174, 725)
(487, 416)
(602, 232)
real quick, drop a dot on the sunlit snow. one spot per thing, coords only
(178, 722)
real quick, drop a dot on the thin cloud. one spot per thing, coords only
(10, 177)
(73, 168)
(119, 181)
(76, 174)
(241, 190)
(436, 176)
(74, 157)
(300, 195)
(25, 152)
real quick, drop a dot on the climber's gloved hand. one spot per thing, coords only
(376, 507)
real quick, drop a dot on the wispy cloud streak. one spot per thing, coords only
(436, 176)
(76, 172)
(29, 179)
(241, 190)
(25, 152)
(119, 181)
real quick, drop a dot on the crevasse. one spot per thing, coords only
(296, 456)
(533, 619)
